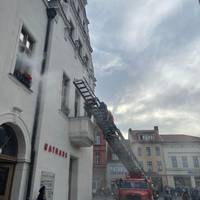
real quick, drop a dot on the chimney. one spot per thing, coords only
(156, 128)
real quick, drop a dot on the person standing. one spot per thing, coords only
(42, 194)
(185, 196)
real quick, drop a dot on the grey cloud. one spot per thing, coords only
(172, 45)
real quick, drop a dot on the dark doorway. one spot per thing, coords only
(73, 178)
(8, 158)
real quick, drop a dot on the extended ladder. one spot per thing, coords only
(111, 133)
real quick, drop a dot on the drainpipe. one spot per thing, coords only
(51, 13)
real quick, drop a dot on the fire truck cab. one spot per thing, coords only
(132, 189)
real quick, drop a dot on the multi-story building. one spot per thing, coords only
(99, 162)
(147, 146)
(182, 160)
(45, 137)
(115, 169)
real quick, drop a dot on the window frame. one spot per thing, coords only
(196, 161)
(158, 152)
(184, 160)
(139, 151)
(174, 162)
(65, 93)
(159, 165)
(77, 104)
(72, 31)
(149, 166)
(97, 158)
(97, 139)
(25, 51)
(148, 152)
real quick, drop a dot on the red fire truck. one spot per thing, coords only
(132, 188)
(136, 186)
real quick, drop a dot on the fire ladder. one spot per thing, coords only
(112, 134)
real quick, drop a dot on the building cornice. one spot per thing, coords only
(84, 34)
(59, 6)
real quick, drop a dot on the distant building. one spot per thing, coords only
(115, 169)
(182, 160)
(99, 162)
(147, 147)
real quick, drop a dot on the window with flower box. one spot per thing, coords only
(23, 66)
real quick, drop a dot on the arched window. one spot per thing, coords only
(8, 141)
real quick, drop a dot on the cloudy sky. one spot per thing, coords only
(147, 62)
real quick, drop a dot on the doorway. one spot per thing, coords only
(73, 178)
(8, 158)
(6, 175)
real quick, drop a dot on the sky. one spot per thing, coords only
(146, 56)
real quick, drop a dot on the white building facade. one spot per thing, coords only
(182, 160)
(45, 136)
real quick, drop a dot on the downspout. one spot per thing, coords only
(51, 13)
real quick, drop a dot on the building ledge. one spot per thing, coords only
(81, 131)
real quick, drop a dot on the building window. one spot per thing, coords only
(197, 181)
(65, 95)
(141, 164)
(159, 165)
(182, 181)
(97, 140)
(22, 69)
(79, 47)
(97, 158)
(148, 150)
(114, 156)
(78, 11)
(77, 104)
(157, 151)
(174, 162)
(139, 151)
(86, 60)
(196, 161)
(185, 161)
(149, 166)
(140, 137)
(72, 31)
(8, 141)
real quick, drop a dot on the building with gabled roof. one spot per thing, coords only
(147, 146)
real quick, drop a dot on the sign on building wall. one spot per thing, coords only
(47, 180)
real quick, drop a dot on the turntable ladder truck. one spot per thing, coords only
(104, 119)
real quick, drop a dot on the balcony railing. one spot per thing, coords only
(81, 132)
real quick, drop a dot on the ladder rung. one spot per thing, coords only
(88, 96)
(79, 82)
(83, 92)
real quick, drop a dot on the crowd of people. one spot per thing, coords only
(183, 193)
